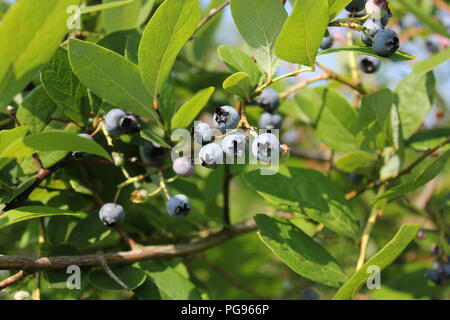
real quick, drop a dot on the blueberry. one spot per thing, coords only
(183, 166)
(369, 64)
(354, 178)
(178, 206)
(111, 214)
(270, 121)
(266, 147)
(211, 155)
(409, 21)
(420, 234)
(436, 276)
(112, 121)
(433, 43)
(78, 154)
(377, 8)
(154, 152)
(269, 100)
(356, 5)
(119, 122)
(327, 41)
(385, 43)
(290, 137)
(203, 133)
(235, 145)
(309, 294)
(226, 118)
(373, 26)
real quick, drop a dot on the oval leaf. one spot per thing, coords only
(111, 77)
(189, 111)
(168, 30)
(299, 252)
(32, 212)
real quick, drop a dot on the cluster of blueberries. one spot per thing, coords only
(440, 271)
(384, 42)
(265, 147)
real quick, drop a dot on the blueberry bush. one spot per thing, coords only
(315, 164)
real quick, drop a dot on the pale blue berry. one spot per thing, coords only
(226, 118)
(385, 43)
(111, 214)
(235, 145)
(179, 206)
(266, 147)
(211, 155)
(183, 166)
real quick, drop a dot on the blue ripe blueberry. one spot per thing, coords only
(385, 43)
(409, 21)
(203, 133)
(178, 206)
(356, 5)
(354, 178)
(373, 26)
(154, 152)
(377, 8)
(235, 145)
(270, 121)
(309, 294)
(78, 154)
(119, 122)
(111, 214)
(369, 64)
(266, 147)
(183, 166)
(226, 118)
(211, 155)
(436, 276)
(269, 100)
(433, 43)
(327, 41)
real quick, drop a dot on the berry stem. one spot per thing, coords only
(163, 185)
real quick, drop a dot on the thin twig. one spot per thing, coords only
(12, 279)
(335, 76)
(212, 13)
(406, 170)
(111, 274)
(303, 84)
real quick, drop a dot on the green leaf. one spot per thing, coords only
(413, 101)
(117, 41)
(259, 23)
(421, 179)
(170, 281)
(52, 141)
(10, 195)
(374, 119)
(62, 86)
(105, 6)
(111, 77)
(303, 31)
(29, 35)
(239, 84)
(335, 119)
(165, 35)
(382, 259)
(154, 134)
(189, 110)
(425, 18)
(397, 56)
(429, 64)
(307, 192)
(36, 110)
(357, 162)
(428, 139)
(126, 16)
(336, 6)
(299, 252)
(131, 276)
(32, 212)
(238, 61)
(7, 137)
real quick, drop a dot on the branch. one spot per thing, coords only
(12, 279)
(213, 238)
(210, 15)
(396, 175)
(303, 84)
(335, 76)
